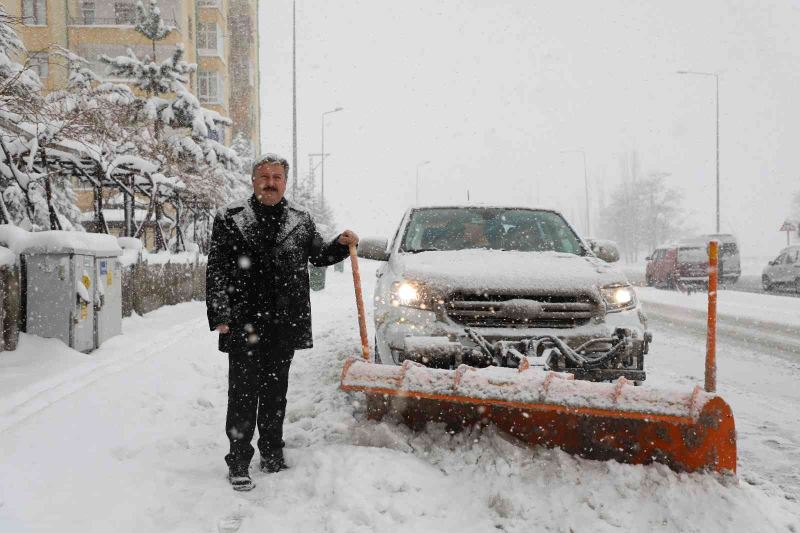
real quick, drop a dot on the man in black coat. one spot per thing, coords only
(257, 298)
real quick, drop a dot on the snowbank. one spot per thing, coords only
(163, 258)
(21, 241)
(133, 252)
(740, 305)
(132, 249)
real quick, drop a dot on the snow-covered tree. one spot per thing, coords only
(15, 79)
(305, 195)
(180, 143)
(20, 199)
(150, 24)
(643, 211)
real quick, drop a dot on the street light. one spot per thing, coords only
(586, 187)
(322, 169)
(294, 100)
(716, 79)
(417, 183)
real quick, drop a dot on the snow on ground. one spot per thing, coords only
(742, 305)
(131, 438)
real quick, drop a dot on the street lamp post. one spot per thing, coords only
(417, 182)
(716, 80)
(322, 167)
(294, 100)
(586, 187)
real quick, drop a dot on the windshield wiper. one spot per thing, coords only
(418, 250)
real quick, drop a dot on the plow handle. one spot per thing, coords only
(711, 339)
(362, 319)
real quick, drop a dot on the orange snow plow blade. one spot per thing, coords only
(637, 425)
(687, 432)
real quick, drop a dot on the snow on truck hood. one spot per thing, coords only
(495, 269)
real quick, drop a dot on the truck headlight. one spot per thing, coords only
(618, 297)
(410, 294)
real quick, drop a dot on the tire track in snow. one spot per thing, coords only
(757, 381)
(27, 402)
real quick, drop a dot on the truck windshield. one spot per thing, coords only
(692, 255)
(524, 230)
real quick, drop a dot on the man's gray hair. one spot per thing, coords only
(270, 159)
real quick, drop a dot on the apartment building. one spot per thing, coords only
(218, 35)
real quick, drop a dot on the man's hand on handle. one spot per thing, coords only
(347, 238)
(223, 328)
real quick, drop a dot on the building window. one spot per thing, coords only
(208, 87)
(34, 12)
(124, 13)
(208, 37)
(40, 62)
(88, 12)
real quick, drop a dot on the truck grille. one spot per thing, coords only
(522, 311)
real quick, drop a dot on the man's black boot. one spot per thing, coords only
(239, 476)
(273, 461)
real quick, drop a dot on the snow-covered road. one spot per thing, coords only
(131, 439)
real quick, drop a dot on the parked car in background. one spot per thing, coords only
(677, 265)
(784, 270)
(730, 267)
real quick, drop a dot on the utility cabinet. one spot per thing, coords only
(107, 297)
(59, 297)
(73, 288)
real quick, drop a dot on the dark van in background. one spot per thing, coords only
(730, 267)
(677, 264)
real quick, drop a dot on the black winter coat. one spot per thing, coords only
(262, 292)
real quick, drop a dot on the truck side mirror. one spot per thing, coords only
(373, 248)
(605, 250)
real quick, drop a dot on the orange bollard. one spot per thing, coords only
(362, 320)
(711, 339)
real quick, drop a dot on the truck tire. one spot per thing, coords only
(766, 283)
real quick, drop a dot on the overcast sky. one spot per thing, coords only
(492, 93)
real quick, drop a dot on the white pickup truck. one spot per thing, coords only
(495, 285)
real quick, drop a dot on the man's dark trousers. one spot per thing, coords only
(257, 385)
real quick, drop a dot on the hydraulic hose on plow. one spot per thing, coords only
(690, 432)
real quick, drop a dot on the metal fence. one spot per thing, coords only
(147, 287)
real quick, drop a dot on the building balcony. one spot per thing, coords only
(209, 4)
(112, 21)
